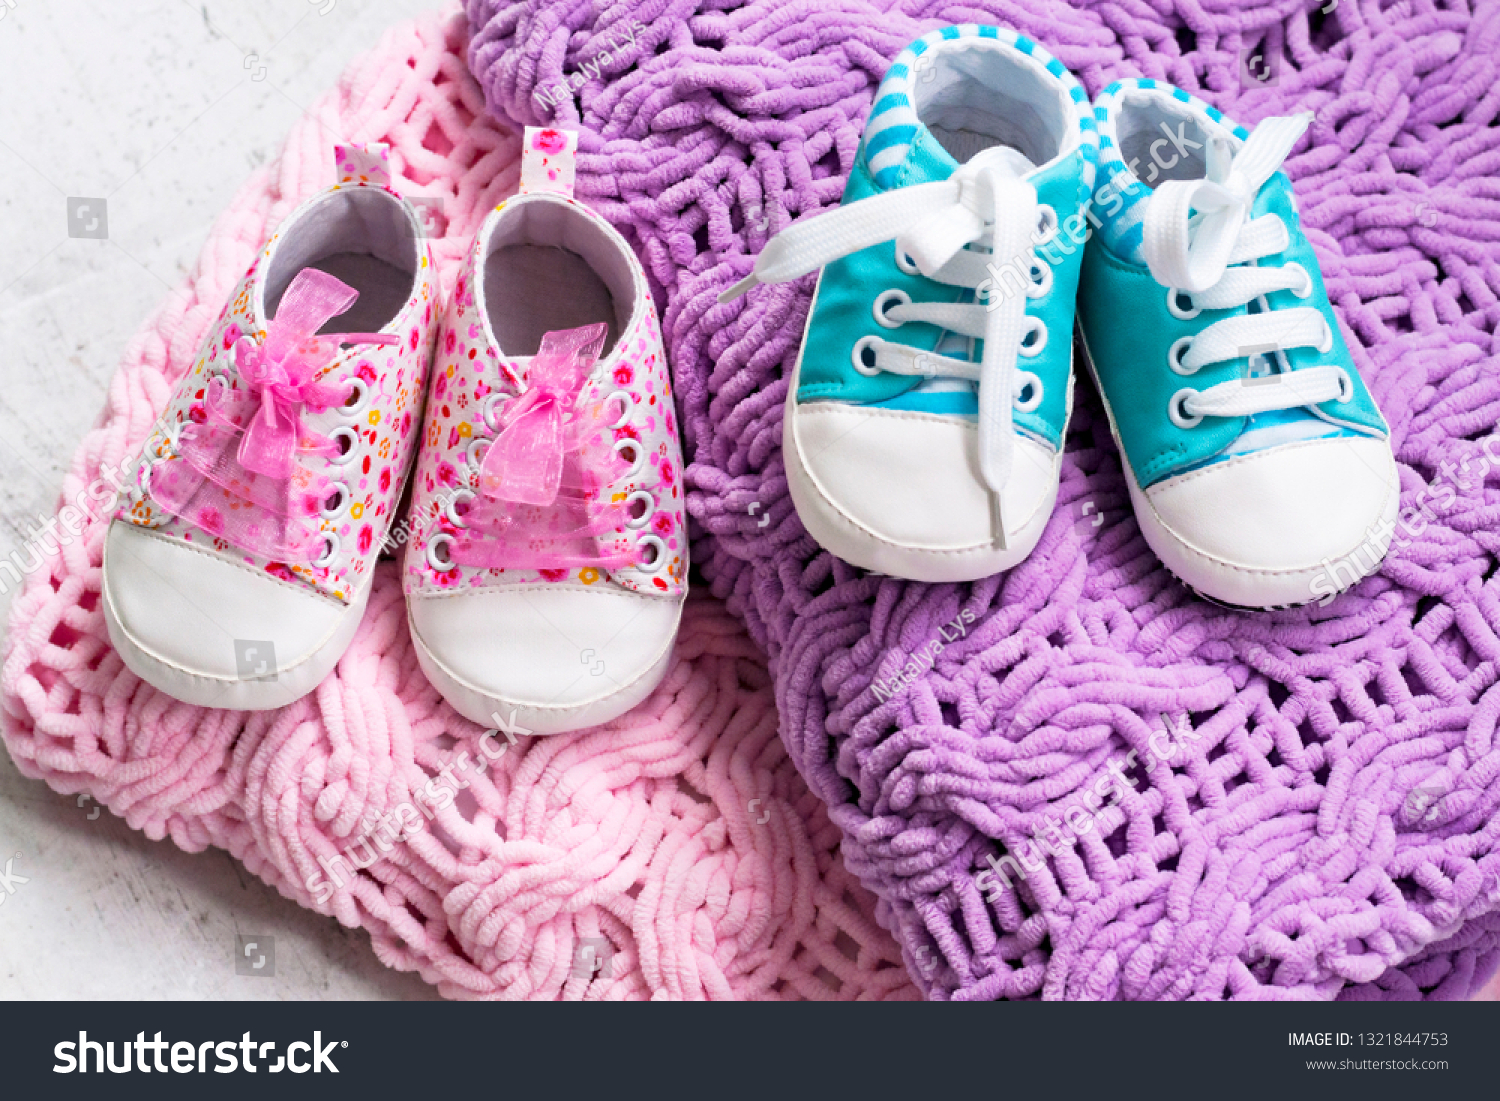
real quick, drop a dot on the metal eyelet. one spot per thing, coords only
(1346, 387)
(331, 548)
(1327, 345)
(488, 410)
(621, 446)
(1037, 329)
(905, 262)
(882, 303)
(345, 498)
(355, 404)
(342, 457)
(1307, 282)
(1027, 383)
(636, 523)
(1046, 224)
(1176, 352)
(627, 406)
(1180, 416)
(473, 455)
(460, 496)
(657, 559)
(446, 563)
(1172, 307)
(1038, 288)
(857, 357)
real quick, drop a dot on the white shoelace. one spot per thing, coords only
(1193, 253)
(984, 203)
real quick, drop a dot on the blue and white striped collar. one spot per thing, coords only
(893, 124)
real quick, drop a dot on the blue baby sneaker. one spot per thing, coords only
(1259, 467)
(924, 423)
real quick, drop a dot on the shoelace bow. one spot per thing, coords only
(282, 372)
(525, 462)
(238, 477)
(544, 481)
(1198, 253)
(984, 203)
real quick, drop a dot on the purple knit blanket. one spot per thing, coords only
(1307, 799)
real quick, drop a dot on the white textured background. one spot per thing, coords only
(153, 106)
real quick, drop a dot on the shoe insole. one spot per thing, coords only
(532, 290)
(961, 144)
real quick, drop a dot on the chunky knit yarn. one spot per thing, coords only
(674, 853)
(1322, 823)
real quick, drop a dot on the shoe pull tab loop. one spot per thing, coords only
(366, 163)
(548, 158)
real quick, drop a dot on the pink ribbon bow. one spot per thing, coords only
(525, 462)
(234, 473)
(281, 373)
(545, 477)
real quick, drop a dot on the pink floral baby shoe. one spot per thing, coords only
(237, 570)
(548, 558)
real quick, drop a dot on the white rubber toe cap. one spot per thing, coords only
(213, 632)
(1280, 527)
(900, 492)
(560, 657)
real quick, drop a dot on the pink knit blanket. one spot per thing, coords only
(675, 853)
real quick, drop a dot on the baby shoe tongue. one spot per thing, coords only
(1009, 162)
(927, 161)
(1279, 426)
